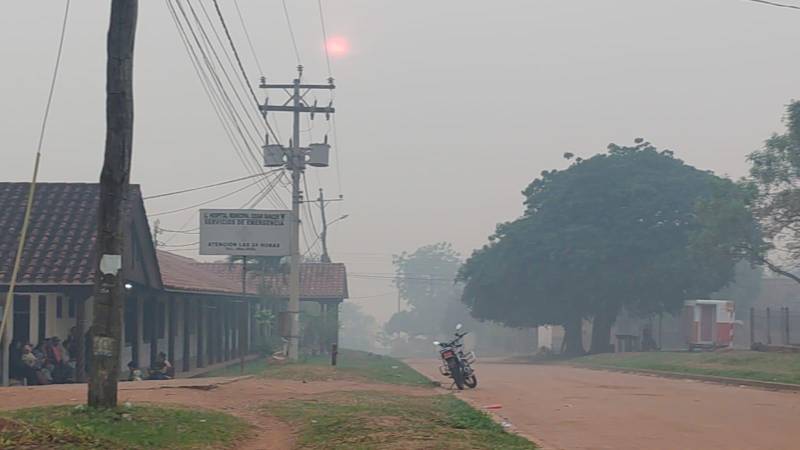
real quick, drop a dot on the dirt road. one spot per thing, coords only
(568, 408)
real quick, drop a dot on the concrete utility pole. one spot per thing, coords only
(109, 292)
(295, 159)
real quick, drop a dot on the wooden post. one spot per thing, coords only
(752, 326)
(114, 181)
(769, 328)
(786, 340)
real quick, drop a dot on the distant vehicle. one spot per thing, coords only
(455, 363)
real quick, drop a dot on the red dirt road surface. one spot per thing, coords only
(561, 407)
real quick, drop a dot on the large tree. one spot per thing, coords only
(426, 281)
(619, 229)
(775, 173)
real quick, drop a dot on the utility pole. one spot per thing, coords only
(109, 292)
(156, 232)
(324, 235)
(295, 159)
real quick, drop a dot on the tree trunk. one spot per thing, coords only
(114, 180)
(601, 332)
(573, 337)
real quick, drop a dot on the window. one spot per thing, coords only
(59, 307)
(71, 307)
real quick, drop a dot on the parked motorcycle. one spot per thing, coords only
(455, 363)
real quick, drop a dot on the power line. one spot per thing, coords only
(324, 37)
(308, 208)
(221, 183)
(205, 202)
(32, 191)
(215, 92)
(241, 67)
(779, 5)
(247, 35)
(291, 32)
(55, 76)
(180, 245)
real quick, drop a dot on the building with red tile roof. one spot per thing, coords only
(195, 312)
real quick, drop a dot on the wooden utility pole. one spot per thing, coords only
(109, 292)
(324, 235)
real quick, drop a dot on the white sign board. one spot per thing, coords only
(245, 232)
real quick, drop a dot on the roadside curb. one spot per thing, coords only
(768, 385)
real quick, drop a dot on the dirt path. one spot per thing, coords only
(569, 408)
(241, 398)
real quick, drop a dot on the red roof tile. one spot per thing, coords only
(317, 280)
(60, 247)
(185, 274)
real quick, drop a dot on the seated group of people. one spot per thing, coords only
(160, 370)
(48, 362)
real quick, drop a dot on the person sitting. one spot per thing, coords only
(162, 369)
(29, 363)
(134, 374)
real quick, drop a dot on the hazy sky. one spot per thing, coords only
(446, 109)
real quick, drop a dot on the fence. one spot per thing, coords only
(774, 326)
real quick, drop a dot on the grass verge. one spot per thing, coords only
(384, 420)
(136, 427)
(760, 366)
(351, 365)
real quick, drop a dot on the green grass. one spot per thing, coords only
(136, 427)
(383, 420)
(761, 366)
(351, 364)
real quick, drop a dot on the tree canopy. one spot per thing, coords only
(426, 281)
(775, 172)
(619, 229)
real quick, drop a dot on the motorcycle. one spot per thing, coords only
(455, 363)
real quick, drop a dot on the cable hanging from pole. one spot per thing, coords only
(291, 33)
(776, 4)
(32, 192)
(241, 67)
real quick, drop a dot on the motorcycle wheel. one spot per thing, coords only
(471, 381)
(458, 377)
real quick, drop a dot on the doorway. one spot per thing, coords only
(708, 314)
(22, 319)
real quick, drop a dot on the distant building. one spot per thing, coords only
(195, 312)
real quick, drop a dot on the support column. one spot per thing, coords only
(243, 328)
(171, 328)
(226, 330)
(154, 322)
(80, 358)
(335, 315)
(186, 335)
(199, 320)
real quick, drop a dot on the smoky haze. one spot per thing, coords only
(446, 109)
